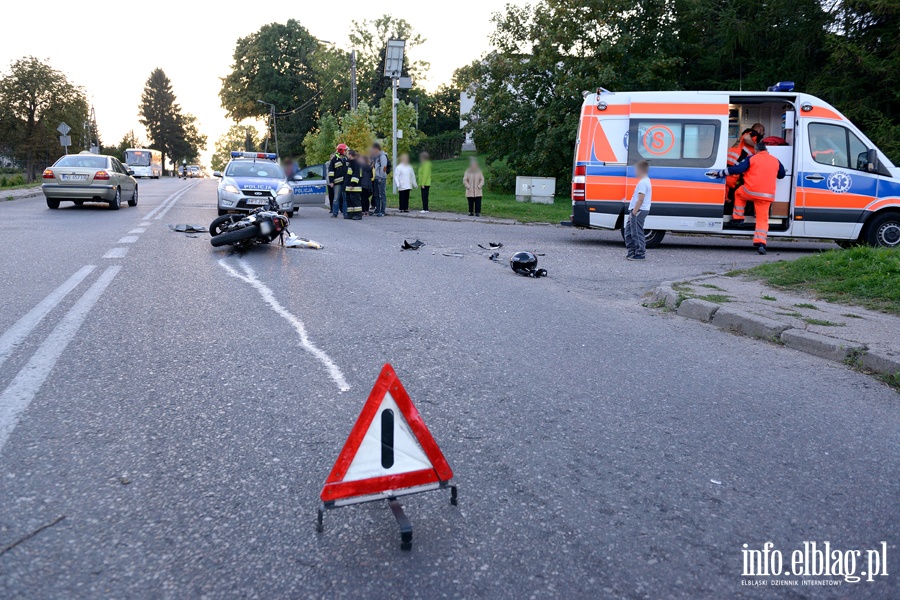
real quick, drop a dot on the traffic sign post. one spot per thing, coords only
(389, 453)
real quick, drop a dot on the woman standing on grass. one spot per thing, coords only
(474, 182)
(424, 177)
(406, 181)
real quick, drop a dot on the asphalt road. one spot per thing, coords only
(602, 449)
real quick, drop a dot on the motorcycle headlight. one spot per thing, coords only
(231, 189)
(283, 191)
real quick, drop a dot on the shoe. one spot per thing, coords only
(629, 256)
(422, 212)
(471, 214)
(761, 249)
(635, 258)
(477, 214)
(736, 223)
(333, 216)
(379, 214)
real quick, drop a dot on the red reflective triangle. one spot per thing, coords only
(400, 476)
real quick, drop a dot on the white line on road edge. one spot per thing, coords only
(172, 203)
(19, 394)
(24, 326)
(128, 239)
(269, 296)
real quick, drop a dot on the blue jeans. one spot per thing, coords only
(340, 200)
(380, 195)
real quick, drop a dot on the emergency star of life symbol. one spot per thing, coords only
(839, 182)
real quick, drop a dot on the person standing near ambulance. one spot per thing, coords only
(337, 170)
(760, 171)
(744, 147)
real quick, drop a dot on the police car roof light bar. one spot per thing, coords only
(264, 155)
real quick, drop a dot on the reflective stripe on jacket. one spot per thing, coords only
(760, 174)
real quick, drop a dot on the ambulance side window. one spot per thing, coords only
(836, 146)
(673, 142)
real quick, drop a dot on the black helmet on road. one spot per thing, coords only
(525, 263)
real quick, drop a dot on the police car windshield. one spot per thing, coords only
(251, 168)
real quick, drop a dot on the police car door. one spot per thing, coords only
(833, 188)
(310, 186)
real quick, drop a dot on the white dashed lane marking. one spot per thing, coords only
(116, 253)
(128, 239)
(138, 230)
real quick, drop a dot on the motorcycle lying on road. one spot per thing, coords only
(261, 226)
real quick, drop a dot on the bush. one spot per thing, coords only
(441, 146)
(500, 177)
(11, 181)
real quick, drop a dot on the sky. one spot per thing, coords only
(111, 51)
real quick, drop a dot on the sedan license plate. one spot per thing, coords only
(73, 177)
(258, 201)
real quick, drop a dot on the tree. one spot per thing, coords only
(406, 121)
(369, 38)
(34, 99)
(356, 129)
(172, 132)
(189, 141)
(275, 64)
(439, 112)
(319, 144)
(129, 140)
(238, 137)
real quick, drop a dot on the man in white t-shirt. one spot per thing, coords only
(638, 209)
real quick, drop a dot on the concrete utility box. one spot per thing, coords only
(538, 190)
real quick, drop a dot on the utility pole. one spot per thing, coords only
(393, 68)
(353, 93)
(394, 82)
(274, 126)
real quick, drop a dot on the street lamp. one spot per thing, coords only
(393, 67)
(274, 124)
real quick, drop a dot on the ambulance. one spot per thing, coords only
(839, 186)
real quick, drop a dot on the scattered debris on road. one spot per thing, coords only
(715, 482)
(186, 228)
(495, 256)
(293, 241)
(412, 245)
(27, 537)
(492, 246)
(454, 254)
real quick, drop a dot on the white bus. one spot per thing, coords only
(144, 162)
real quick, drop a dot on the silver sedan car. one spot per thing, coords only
(89, 177)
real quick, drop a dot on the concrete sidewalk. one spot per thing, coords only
(21, 193)
(863, 338)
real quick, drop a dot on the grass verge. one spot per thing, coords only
(447, 194)
(868, 277)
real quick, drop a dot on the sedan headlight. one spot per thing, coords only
(284, 190)
(231, 189)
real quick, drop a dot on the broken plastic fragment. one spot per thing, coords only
(412, 245)
(491, 246)
(185, 228)
(293, 241)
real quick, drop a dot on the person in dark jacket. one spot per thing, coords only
(337, 170)
(366, 181)
(354, 188)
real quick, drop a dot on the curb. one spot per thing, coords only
(461, 219)
(764, 328)
(9, 197)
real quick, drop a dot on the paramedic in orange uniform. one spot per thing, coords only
(760, 173)
(744, 146)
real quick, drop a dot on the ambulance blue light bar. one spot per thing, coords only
(264, 155)
(782, 86)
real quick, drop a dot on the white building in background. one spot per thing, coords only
(466, 103)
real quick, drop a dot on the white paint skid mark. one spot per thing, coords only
(249, 276)
(24, 326)
(19, 394)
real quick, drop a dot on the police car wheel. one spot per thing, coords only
(884, 231)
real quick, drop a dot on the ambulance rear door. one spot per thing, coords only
(602, 152)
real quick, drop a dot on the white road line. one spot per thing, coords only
(24, 326)
(145, 224)
(172, 203)
(116, 252)
(138, 230)
(268, 295)
(19, 394)
(171, 199)
(128, 239)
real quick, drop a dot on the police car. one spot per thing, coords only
(250, 180)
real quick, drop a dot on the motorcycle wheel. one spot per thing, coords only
(215, 226)
(239, 235)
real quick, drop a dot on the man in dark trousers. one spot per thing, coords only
(760, 172)
(337, 170)
(354, 188)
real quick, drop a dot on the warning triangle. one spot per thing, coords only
(390, 451)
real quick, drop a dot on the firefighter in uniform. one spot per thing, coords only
(354, 188)
(337, 170)
(760, 171)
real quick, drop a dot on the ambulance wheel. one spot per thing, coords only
(653, 237)
(884, 231)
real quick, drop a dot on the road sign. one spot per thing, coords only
(63, 128)
(65, 140)
(405, 83)
(389, 453)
